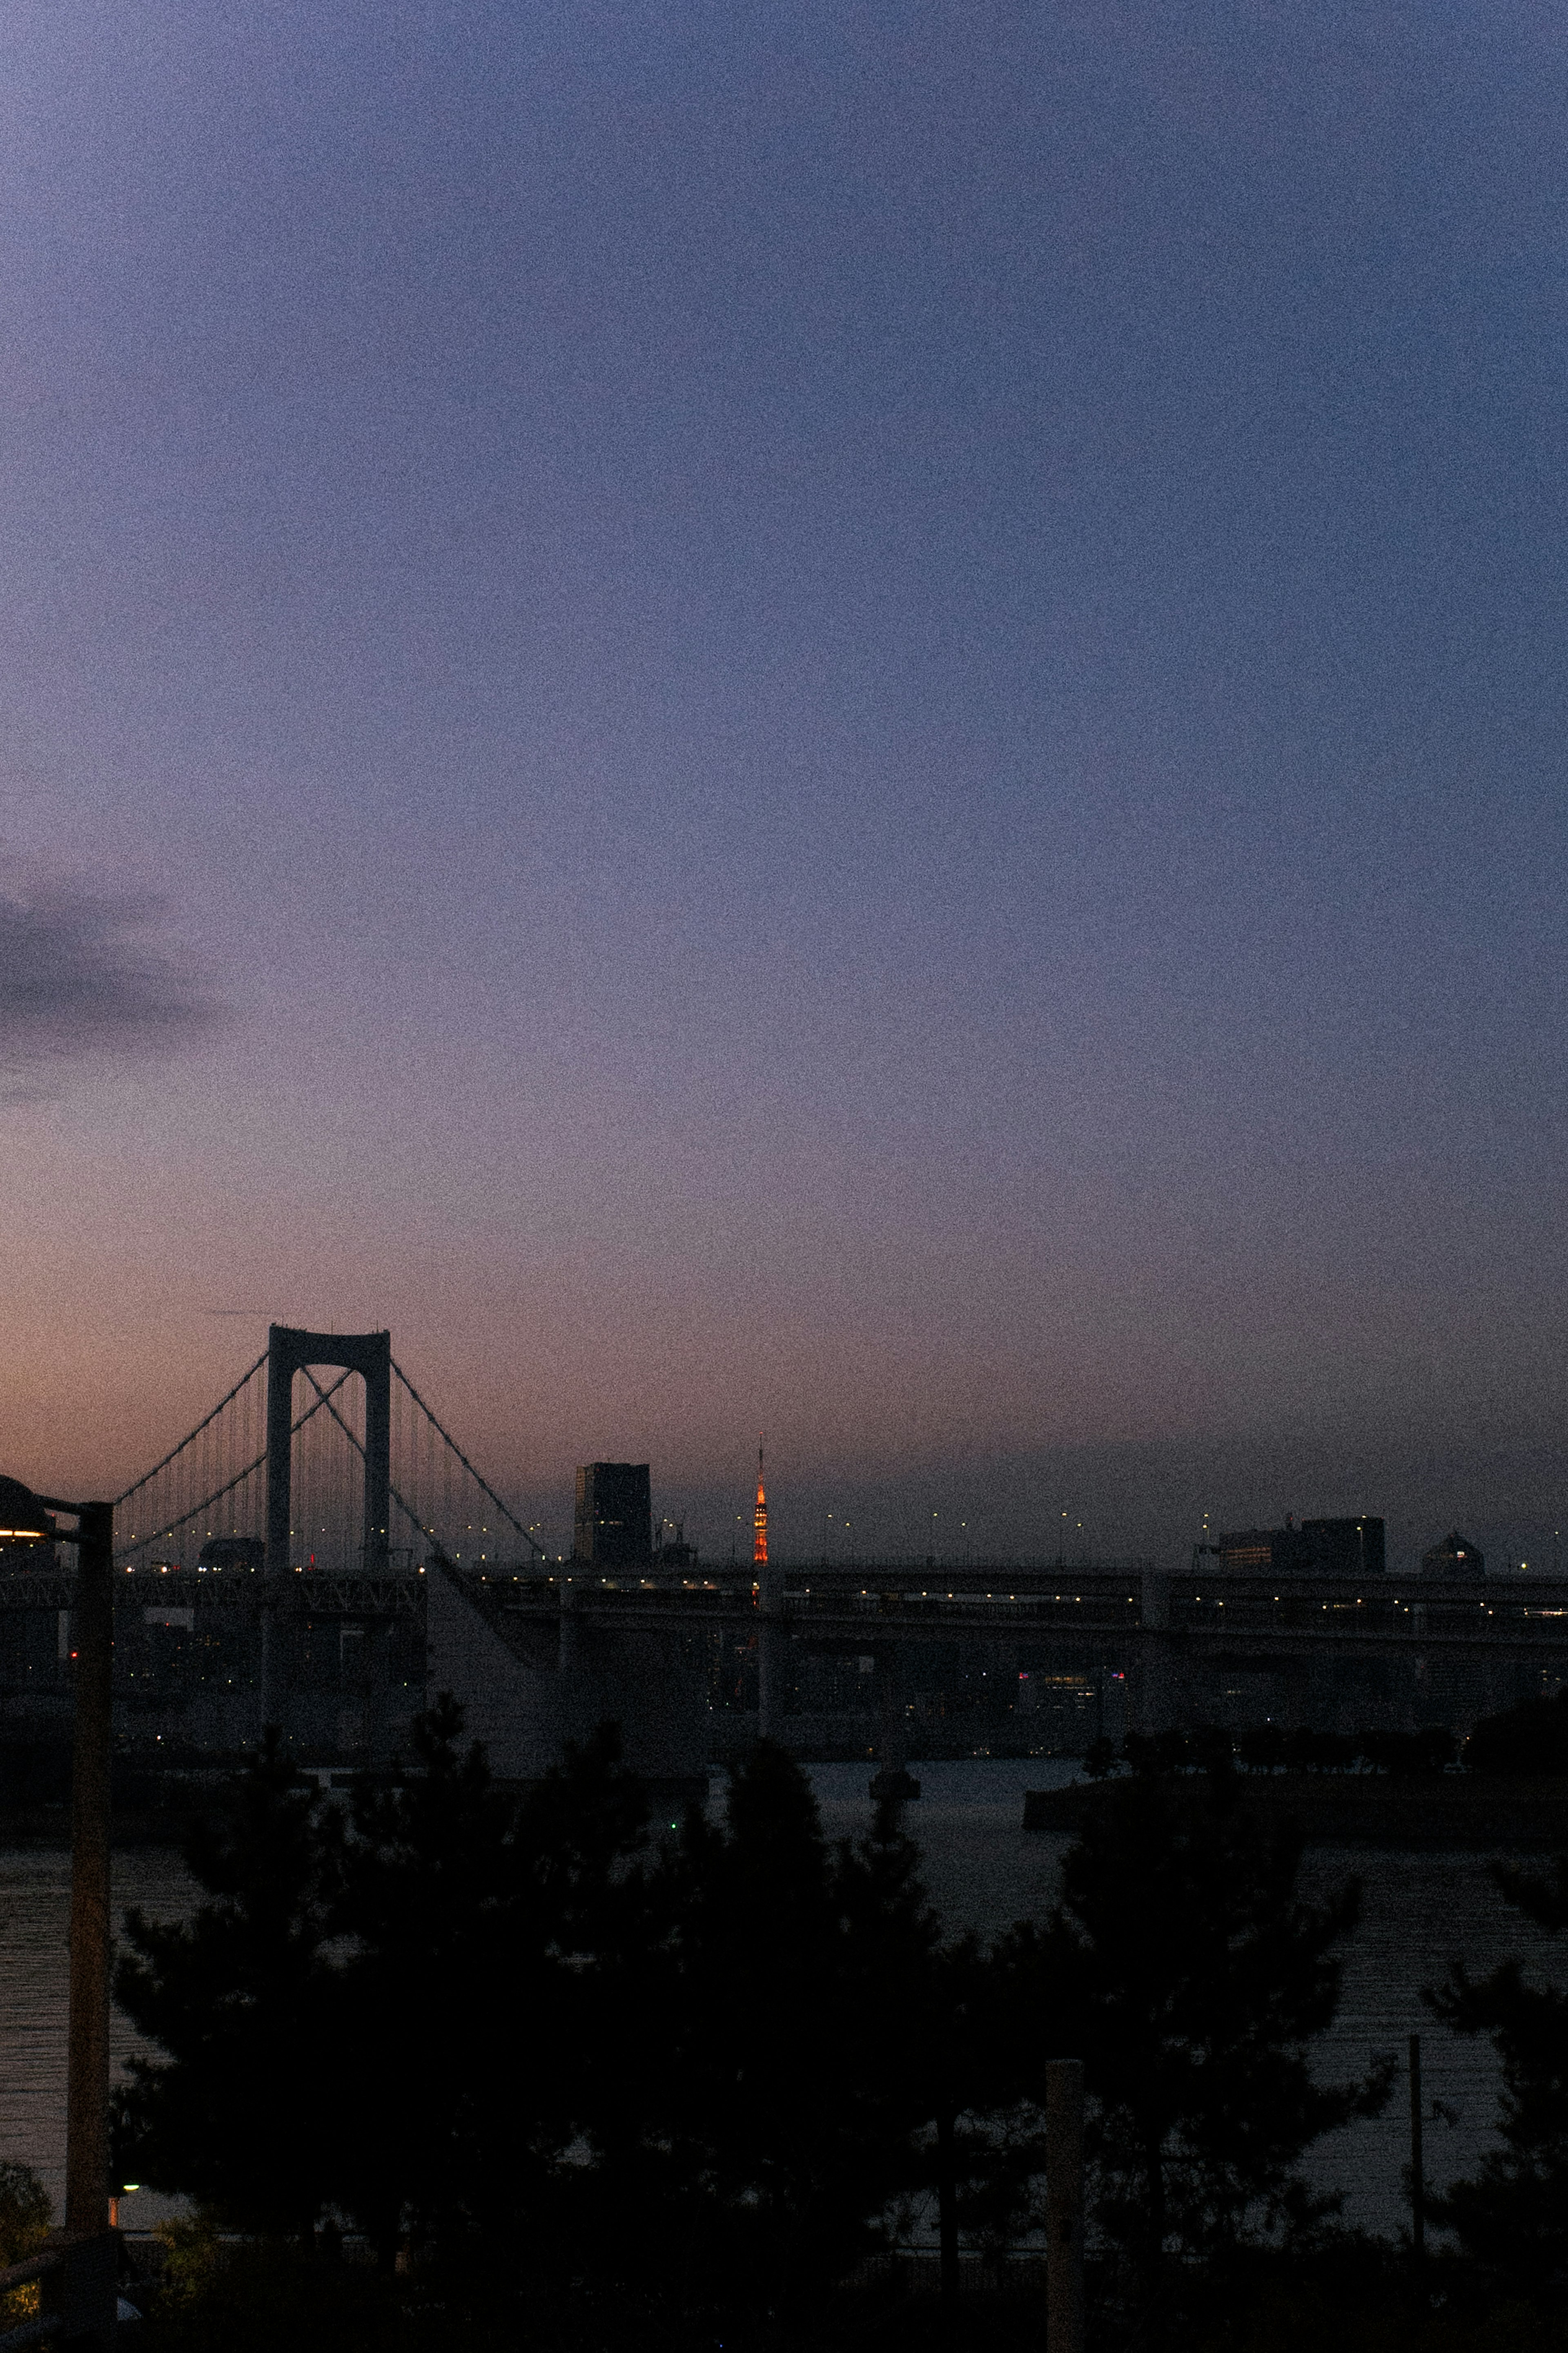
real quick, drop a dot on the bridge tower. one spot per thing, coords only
(288, 1351)
(369, 1354)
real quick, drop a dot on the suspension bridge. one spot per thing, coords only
(321, 1553)
(274, 1566)
(289, 1474)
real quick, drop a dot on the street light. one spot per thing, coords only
(27, 1520)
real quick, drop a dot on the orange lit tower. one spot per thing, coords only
(760, 1518)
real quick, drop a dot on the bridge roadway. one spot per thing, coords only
(1116, 1607)
(381, 1593)
(1133, 1606)
(1167, 1642)
(1157, 1631)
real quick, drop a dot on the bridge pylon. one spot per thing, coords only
(289, 1351)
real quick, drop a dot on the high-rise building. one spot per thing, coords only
(1456, 1555)
(613, 1524)
(1313, 1547)
(246, 1553)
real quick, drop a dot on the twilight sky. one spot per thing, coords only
(846, 716)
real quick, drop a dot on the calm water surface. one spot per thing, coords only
(35, 1919)
(1421, 1911)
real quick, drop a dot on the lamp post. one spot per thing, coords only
(89, 2279)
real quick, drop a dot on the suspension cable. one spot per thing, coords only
(537, 1549)
(190, 1434)
(325, 1397)
(241, 1476)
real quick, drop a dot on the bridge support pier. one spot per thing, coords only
(773, 1656)
(892, 1734)
(892, 1778)
(569, 1631)
(1157, 1694)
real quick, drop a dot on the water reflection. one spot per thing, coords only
(35, 1921)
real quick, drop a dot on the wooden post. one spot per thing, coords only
(91, 2278)
(946, 2206)
(1064, 2206)
(1417, 2171)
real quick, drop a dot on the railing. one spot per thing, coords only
(332, 1593)
(43, 2324)
(77, 2273)
(1031, 1608)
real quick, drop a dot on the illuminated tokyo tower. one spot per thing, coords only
(760, 1518)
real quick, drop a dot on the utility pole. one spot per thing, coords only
(1417, 2170)
(946, 2206)
(86, 2089)
(78, 2276)
(1064, 2206)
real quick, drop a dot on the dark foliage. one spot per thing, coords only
(25, 2214)
(1531, 1738)
(1184, 1967)
(1358, 2296)
(259, 2295)
(1512, 2215)
(534, 2052)
(1203, 1748)
(1430, 1750)
(597, 2089)
(486, 1950)
(376, 2014)
(244, 1997)
(784, 2014)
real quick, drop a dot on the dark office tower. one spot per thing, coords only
(1350, 1548)
(247, 1553)
(1344, 1547)
(614, 1523)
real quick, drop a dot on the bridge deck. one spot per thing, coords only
(1129, 1603)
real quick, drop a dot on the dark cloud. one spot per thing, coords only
(84, 976)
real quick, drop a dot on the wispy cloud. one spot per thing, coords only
(82, 976)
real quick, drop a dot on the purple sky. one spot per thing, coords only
(846, 717)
